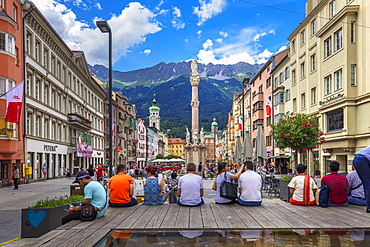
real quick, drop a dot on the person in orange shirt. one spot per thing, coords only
(121, 189)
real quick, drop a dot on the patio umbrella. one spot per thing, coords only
(260, 152)
(247, 149)
(238, 151)
(176, 160)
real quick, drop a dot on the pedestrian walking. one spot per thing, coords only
(44, 171)
(15, 176)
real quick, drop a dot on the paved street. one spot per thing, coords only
(12, 201)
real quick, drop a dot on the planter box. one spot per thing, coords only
(38, 221)
(284, 191)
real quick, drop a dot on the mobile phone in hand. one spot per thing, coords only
(65, 210)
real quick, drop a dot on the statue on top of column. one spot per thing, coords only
(194, 67)
(187, 136)
(201, 136)
(195, 136)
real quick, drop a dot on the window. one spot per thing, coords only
(281, 77)
(279, 98)
(258, 106)
(303, 101)
(313, 26)
(28, 84)
(37, 89)
(303, 37)
(353, 74)
(5, 86)
(37, 51)
(303, 73)
(268, 140)
(46, 128)
(53, 131)
(338, 39)
(46, 94)
(287, 72)
(268, 83)
(28, 124)
(276, 82)
(15, 13)
(294, 80)
(328, 84)
(278, 117)
(293, 46)
(335, 120)
(58, 70)
(52, 66)
(353, 32)
(37, 126)
(338, 79)
(260, 90)
(313, 62)
(287, 95)
(332, 8)
(3, 6)
(294, 105)
(46, 59)
(7, 43)
(313, 96)
(328, 47)
(28, 43)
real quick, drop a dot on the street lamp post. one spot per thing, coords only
(214, 128)
(105, 28)
(245, 81)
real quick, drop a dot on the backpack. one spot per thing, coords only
(323, 196)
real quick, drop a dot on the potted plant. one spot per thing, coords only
(284, 189)
(45, 215)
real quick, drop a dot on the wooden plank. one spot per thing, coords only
(261, 219)
(111, 220)
(145, 218)
(248, 220)
(209, 221)
(31, 242)
(94, 239)
(235, 221)
(182, 220)
(195, 218)
(277, 219)
(69, 225)
(156, 222)
(76, 239)
(219, 216)
(132, 216)
(61, 238)
(170, 218)
(292, 219)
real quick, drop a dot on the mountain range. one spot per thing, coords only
(171, 86)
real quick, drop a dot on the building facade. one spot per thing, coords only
(11, 74)
(176, 147)
(64, 105)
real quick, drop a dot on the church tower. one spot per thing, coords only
(154, 118)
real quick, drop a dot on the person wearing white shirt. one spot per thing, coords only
(250, 184)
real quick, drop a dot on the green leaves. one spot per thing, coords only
(57, 201)
(299, 132)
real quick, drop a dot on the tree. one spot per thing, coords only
(172, 156)
(299, 132)
(159, 156)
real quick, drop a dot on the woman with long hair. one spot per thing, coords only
(224, 175)
(153, 187)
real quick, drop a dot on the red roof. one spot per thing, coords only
(176, 140)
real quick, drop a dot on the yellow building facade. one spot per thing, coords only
(176, 147)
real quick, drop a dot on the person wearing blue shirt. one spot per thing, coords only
(94, 194)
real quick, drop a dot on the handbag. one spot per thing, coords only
(228, 189)
(89, 212)
(323, 196)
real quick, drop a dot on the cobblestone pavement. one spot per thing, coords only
(12, 201)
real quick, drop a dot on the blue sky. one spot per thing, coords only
(148, 32)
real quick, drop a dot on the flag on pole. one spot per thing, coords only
(268, 106)
(153, 151)
(14, 99)
(240, 124)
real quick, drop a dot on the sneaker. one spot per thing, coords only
(368, 210)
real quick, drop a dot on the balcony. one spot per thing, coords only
(79, 121)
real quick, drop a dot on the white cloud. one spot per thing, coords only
(208, 10)
(98, 5)
(176, 21)
(147, 52)
(260, 35)
(224, 34)
(243, 49)
(129, 28)
(199, 34)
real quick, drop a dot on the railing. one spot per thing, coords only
(80, 120)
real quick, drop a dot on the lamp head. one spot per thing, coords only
(103, 26)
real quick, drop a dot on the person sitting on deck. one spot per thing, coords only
(302, 187)
(190, 188)
(153, 187)
(224, 175)
(94, 194)
(121, 189)
(356, 194)
(337, 184)
(250, 184)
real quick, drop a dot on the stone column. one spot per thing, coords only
(194, 81)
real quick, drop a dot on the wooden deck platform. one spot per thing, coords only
(272, 214)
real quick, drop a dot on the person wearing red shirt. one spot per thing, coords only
(99, 173)
(337, 184)
(121, 189)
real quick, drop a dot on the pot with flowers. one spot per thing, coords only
(45, 215)
(284, 189)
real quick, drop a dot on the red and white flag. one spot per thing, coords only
(268, 106)
(153, 151)
(14, 99)
(240, 124)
